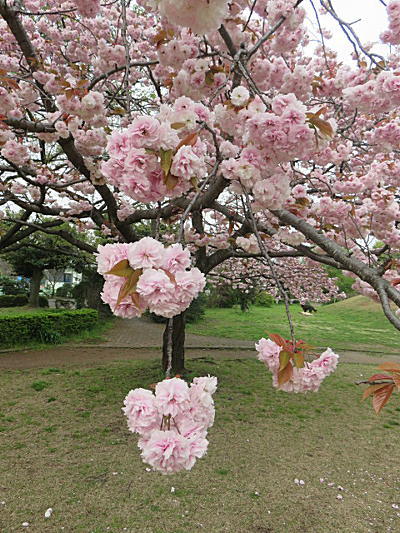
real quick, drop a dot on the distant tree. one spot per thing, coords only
(12, 286)
(40, 252)
(344, 283)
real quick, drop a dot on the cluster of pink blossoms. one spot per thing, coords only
(202, 16)
(87, 8)
(138, 157)
(184, 415)
(392, 35)
(164, 284)
(306, 379)
(16, 152)
(378, 95)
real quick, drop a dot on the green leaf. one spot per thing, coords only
(298, 360)
(166, 160)
(284, 358)
(178, 125)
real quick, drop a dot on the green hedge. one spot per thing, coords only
(18, 300)
(13, 300)
(46, 326)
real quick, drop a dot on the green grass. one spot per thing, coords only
(66, 446)
(26, 309)
(357, 323)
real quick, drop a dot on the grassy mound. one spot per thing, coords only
(357, 323)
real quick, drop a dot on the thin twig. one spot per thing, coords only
(267, 35)
(250, 15)
(321, 33)
(374, 382)
(264, 252)
(127, 57)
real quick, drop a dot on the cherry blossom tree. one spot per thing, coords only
(303, 280)
(220, 118)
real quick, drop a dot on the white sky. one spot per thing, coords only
(373, 22)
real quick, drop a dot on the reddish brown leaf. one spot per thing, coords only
(381, 397)
(163, 36)
(189, 140)
(170, 181)
(379, 376)
(322, 125)
(371, 390)
(285, 375)
(277, 339)
(396, 379)
(135, 299)
(121, 268)
(129, 287)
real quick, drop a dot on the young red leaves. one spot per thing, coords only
(381, 386)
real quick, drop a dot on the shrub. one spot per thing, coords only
(264, 299)
(222, 296)
(43, 301)
(45, 326)
(197, 309)
(65, 291)
(13, 300)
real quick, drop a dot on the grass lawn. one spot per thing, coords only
(25, 309)
(357, 323)
(64, 444)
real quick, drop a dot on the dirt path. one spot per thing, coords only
(141, 339)
(143, 332)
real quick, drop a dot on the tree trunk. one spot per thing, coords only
(35, 288)
(178, 345)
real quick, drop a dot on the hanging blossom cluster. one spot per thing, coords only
(146, 275)
(305, 379)
(173, 422)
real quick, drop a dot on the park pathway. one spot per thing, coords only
(141, 338)
(144, 333)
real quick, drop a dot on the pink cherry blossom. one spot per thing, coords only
(146, 253)
(176, 258)
(141, 411)
(109, 255)
(172, 396)
(167, 451)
